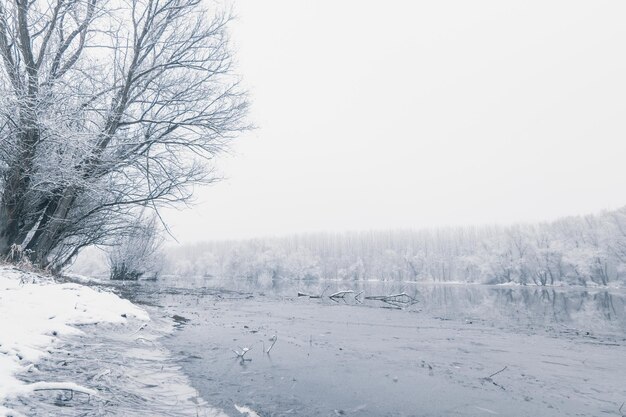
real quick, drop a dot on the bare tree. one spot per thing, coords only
(106, 105)
(137, 253)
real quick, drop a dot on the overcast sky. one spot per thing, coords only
(411, 114)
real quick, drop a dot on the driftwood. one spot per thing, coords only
(341, 294)
(401, 297)
(396, 300)
(303, 294)
(399, 300)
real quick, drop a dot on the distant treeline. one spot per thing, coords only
(575, 250)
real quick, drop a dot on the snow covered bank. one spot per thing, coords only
(35, 312)
(89, 341)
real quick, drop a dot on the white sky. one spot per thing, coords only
(410, 114)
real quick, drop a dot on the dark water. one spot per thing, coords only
(354, 356)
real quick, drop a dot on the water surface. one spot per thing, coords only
(563, 351)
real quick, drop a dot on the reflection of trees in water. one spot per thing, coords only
(528, 306)
(500, 305)
(606, 304)
(567, 307)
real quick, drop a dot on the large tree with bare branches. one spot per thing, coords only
(106, 105)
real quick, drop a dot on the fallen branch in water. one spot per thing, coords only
(401, 297)
(397, 300)
(243, 352)
(303, 294)
(620, 410)
(273, 339)
(496, 373)
(489, 378)
(341, 294)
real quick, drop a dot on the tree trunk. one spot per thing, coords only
(49, 234)
(17, 183)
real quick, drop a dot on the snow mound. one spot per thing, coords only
(34, 311)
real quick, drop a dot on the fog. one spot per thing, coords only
(394, 115)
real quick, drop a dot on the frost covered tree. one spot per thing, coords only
(137, 253)
(589, 250)
(106, 105)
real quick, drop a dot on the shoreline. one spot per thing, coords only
(74, 346)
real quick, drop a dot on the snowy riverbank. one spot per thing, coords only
(70, 345)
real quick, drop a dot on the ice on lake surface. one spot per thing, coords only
(561, 351)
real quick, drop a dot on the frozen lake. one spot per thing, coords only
(559, 351)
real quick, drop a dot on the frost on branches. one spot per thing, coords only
(137, 254)
(587, 251)
(106, 107)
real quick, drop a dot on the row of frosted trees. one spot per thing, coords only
(588, 250)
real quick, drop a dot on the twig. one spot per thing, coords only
(496, 373)
(242, 353)
(273, 339)
(489, 378)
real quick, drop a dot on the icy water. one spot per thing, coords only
(461, 350)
